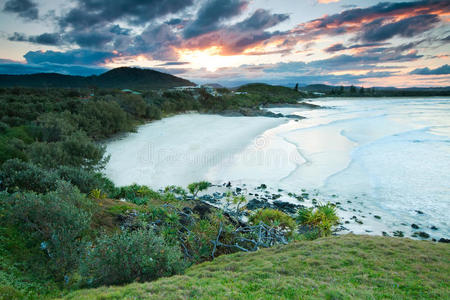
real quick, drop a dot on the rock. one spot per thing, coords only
(238, 190)
(202, 209)
(419, 212)
(280, 190)
(415, 226)
(262, 187)
(255, 204)
(276, 196)
(384, 233)
(421, 234)
(443, 240)
(398, 233)
(434, 228)
(377, 217)
(228, 184)
(347, 222)
(286, 207)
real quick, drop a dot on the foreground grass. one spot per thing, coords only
(345, 267)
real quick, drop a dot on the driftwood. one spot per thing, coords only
(245, 238)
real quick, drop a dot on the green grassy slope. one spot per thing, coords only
(345, 267)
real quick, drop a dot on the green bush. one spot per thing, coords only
(130, 256)
(16, 175)
(85, 180)
(137, 194)
(275, 218)
(323, 218)
(9, 293)
(57, 222)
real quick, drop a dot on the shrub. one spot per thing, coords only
(128, 256)
(97, 194)
(137, 194)
(85, 180)
(17, 175)
(9, 293)
(275, 218)
(323, 218)
(57, 222)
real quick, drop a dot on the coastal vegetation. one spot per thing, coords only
(64, 226)
(344, 267)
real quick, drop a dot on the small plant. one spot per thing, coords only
(196, 187)
(97, 194)
(274, 218)
(323, 218)
(237, 201)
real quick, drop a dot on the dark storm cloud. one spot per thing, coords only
(443, 70)
(16, 68)
(340, 47)
(261, 19)
(24, 8)
(156, 42)
(116, 29)
(409, 27)
(94, 12)
(51, 39)
(212, 14)
(72, 57)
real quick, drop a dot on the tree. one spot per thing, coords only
(352, 89)
(197, 187)
(296, 87)
(361, 90)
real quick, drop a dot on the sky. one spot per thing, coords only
(232, 42)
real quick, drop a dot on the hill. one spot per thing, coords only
(270, 90)
(133, 78)
(344, 267)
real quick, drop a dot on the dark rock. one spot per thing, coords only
(415, 226)
(276, 196)
(262, 186)
(421, 234)
(419, 212)
(398, 233)
(434, 228)
(255, 204)
(384, 233)
(202, 209)
(228, 184)
(238, 190)
(286, 207)
(377, 217)
(443, 240)
(280, 190)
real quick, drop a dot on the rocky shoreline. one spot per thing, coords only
(351, 217)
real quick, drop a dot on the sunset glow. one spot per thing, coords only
(330, 41)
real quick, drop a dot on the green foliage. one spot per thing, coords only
(76, 150)
(56, 222)
(85, 180)
(128, 256)
(97, 194)
(275, 218)
(345, 267)
(137, 194)
(16, 175)
(10, 293)
(196, 187)
(323, 218)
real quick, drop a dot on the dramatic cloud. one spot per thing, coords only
(235, 39)
(24, 8)
(409, 27)
(89, 13)
(73, 57)
(383, 21)
(443, 70)
(212, 14)
(51, 39)
(16, 68)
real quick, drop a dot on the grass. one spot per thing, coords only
(345, 267)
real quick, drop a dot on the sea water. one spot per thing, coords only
(388, 157)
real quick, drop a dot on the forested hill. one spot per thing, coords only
(132, 78)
